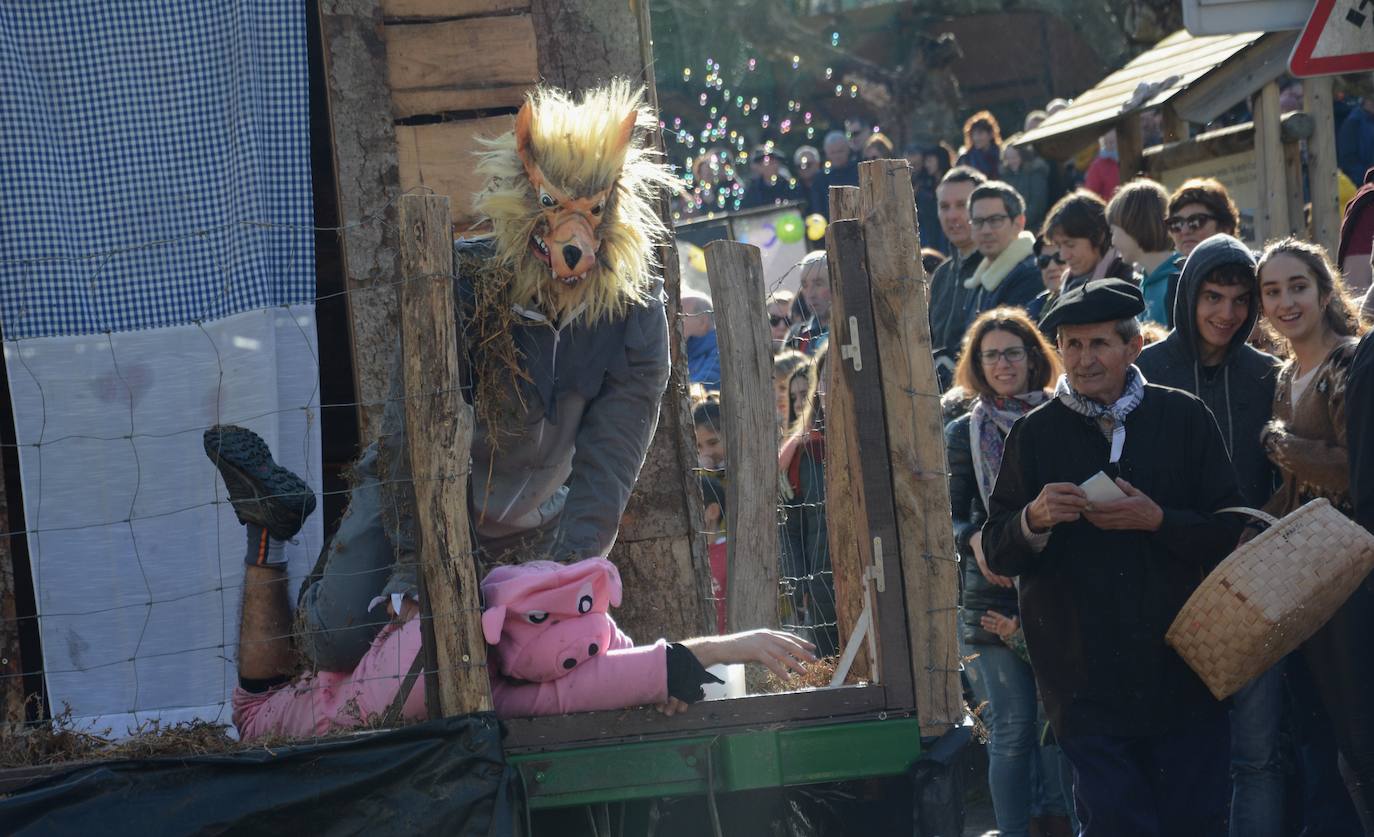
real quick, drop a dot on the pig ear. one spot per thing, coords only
(613, 580)
(493, 619)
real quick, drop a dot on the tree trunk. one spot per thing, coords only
(661, 556)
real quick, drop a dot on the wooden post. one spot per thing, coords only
(661, 556)
(439, 433)
(846, 511)
(1129, 146)
(1173, 126)
(365, 173)
(1292, 180)
(1321, 165)
(12, 710)
(1271, 219)
(735, 271)
(915, 432)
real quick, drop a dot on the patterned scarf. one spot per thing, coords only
(1111, 419)
(989, 425)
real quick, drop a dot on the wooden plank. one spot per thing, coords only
(846, 510)
(873, 467)
(439, 434)
(735, 271)
(1173, 126)
(1321, 165)
(1236, 139)
(365, 175)
(440, 157)
(460, 65)
(586, 43)
(716, 716)
(1271, 216)
(915, 433)
(432, 9)
(1236, 79)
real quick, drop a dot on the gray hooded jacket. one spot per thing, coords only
(1240, 393)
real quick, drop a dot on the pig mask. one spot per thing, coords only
(544, 619)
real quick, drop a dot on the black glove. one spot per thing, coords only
(686, 675)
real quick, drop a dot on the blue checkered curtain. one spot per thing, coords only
(157, 277)
(142, 145)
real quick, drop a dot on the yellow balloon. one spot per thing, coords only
(815, 226)
(696, 257)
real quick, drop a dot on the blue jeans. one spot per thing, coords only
(1007, 684)
(1256, 769)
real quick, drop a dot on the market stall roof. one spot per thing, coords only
(1200, 77)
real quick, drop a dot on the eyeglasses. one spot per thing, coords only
(1014, 355)
(776, 320)
(1193, 222)
(994, 222)
(1043, 260)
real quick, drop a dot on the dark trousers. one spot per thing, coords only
(1158, 786)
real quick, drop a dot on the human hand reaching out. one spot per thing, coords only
(779, 652)
(1003, 626)
(976, 544)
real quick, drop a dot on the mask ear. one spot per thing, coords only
(493, 619)
(522, 137)
(627, 130)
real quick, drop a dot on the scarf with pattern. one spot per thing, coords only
(989, 425)
(1110, 418)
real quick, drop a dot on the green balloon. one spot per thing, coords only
(789, 229)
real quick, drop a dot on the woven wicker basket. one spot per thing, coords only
(1271, 595)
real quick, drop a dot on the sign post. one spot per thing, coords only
(1337, 39)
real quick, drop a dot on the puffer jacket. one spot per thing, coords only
(978, 594)
(1240, 393)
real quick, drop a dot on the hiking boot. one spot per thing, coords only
(261, 491)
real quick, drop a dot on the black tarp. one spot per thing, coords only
(441, 777)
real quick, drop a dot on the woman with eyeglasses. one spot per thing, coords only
(1136, 215)
(1008, 365)
(1077, 226)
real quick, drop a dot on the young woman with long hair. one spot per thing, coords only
(1010, 367)
(1305, 303)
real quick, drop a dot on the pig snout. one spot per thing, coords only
(572, 655)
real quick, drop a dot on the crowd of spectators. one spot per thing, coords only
(1055, 298)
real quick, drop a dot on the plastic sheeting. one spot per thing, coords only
(440, 777)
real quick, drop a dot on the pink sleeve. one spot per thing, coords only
(321, 703)
(624, 676)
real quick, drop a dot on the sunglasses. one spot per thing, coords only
(1043, 260)
(1193, 222)
(775, 320)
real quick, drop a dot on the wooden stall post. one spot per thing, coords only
(735, 271)
(439, 432)
(12, 709)
(1129, 144)
(915, 432)
(1272, 213)
(1321, 165)
(846, 512)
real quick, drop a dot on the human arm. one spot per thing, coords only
(1009, 546)
(1318, 462)
(614, 435)
(966, 501)
(395, 484)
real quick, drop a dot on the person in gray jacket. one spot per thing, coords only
(1215, 309)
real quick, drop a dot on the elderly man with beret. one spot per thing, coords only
(1107, 510)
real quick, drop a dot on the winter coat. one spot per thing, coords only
(806, 545)
(1156, 286)
(1240, 390)
(1020, 286)
(1359, 418)
(1310, 449)
(1032, 182)
(979, 595)
(948, 311)
(703, 360)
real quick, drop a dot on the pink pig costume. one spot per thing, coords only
(555, 649)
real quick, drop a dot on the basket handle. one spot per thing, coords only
(1267, 518)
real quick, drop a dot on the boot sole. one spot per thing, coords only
(261, 491)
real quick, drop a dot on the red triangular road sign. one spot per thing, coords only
(1339, 38)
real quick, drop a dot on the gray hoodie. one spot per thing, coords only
(1240, 392)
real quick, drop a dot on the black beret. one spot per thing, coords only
(1095, 301)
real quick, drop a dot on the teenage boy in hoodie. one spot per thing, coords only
(1215, 310)
(1008, 273)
